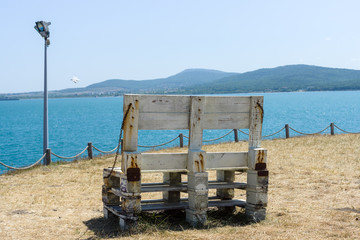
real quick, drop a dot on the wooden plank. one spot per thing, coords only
(130, 139)
(227, 203)
(256, 119)
(226, 160)
(164, 104)
(164, 162)
(162, 206)
(163, 188)
(225, 185)
(195, 123)
(164, 121)
(229, 104)
(226, 121)
(177, 162)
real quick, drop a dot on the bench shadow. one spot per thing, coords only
(150, 222)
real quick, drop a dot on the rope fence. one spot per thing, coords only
(47, 155)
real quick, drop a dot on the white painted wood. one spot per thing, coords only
(131, 160)
(196, 161)
(256, 155)
(173, 121)
(164, 161)
(231, 104)
(196, 118)
(130, 132)
(226, 120)
(255, 182)
(228, 160)
(177, 162)
(164, 104)
(164, 121)
(256, 118)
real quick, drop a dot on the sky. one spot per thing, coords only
(148, 39)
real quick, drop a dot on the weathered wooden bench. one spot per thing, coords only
(122, 187)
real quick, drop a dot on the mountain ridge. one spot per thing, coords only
(297, 77)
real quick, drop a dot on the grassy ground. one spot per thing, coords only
(314, 193)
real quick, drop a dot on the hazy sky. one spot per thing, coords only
(99, 40)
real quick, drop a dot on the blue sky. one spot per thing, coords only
(99, 40)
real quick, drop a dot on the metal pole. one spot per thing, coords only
(45, 133)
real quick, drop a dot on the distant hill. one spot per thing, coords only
(286, 78)
(203, 81)
(185, 78)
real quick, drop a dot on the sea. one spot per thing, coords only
(74, 122)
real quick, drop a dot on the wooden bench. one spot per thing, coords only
(122, 190)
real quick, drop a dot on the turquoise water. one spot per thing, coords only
(75, 122)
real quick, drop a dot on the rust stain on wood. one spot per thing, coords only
(202, 161)
(261, 156)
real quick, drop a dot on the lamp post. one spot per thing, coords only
(42, 28)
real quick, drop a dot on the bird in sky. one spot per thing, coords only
(75, 79)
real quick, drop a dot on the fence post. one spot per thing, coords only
(47, 159)
(236, 135)
(332, 129)
(287, 131)
(90, 150)
(181, 136)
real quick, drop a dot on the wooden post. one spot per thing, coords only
(332, 128)
(181, 136)
(130, 182)
(173, 179)
(108, 197)
(287, 131)
(90, 150)
(197, 177)
(236, 135)
(47, 159)
(257, 174)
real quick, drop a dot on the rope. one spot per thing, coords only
(344, 130)
(309, 133)
(159, 144)
(72, 156)
(243, 132)
(105, 151)
(218, 137)
(120, 137)
(23, 168)
(274, 133)
(185, 136)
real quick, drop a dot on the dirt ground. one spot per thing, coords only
(314, 193)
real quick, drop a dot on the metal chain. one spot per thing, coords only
(243, 132)
(344, 130)
(309, 133)
(210, 140)
(159, 144)
(23, 168)
(274, 133)
(72, 156)
(105, 151)
(120, 141)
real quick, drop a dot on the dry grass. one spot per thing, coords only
(314, 193)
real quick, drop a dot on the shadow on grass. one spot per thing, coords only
(150, 222)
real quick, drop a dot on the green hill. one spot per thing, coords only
(285, 78)
(203, 81)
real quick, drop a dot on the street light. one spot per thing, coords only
(42, 28)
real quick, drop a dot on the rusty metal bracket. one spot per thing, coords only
(263, 173)
(133, 174)
(260, 166)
